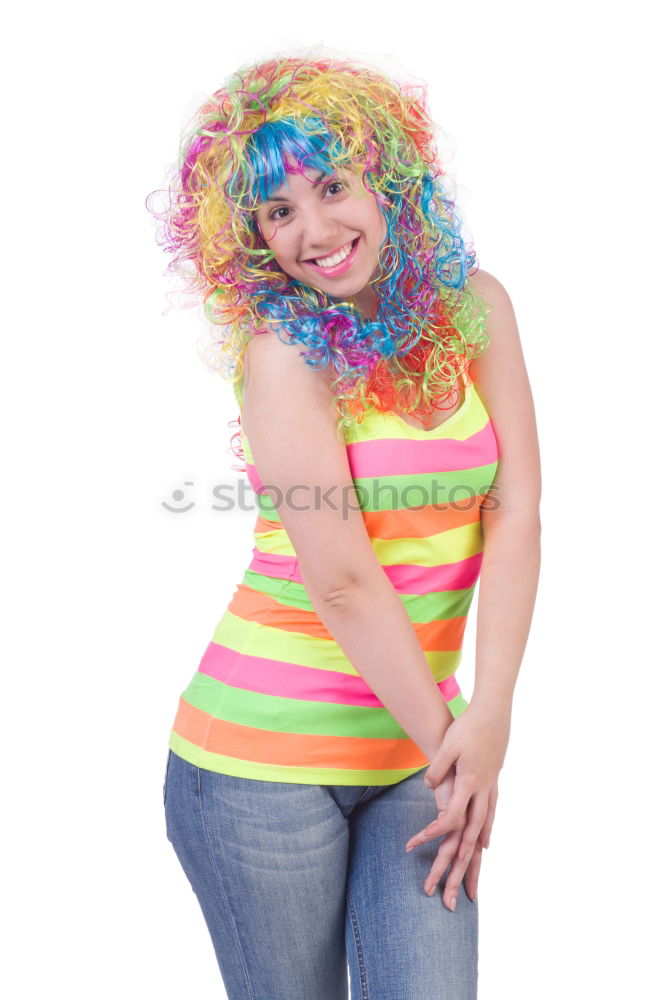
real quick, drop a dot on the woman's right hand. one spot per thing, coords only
(469, 867)
(471, 870)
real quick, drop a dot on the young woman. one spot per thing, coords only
(389, 435)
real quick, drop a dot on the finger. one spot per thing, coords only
(489, 818)
(475, 824)
(423, 836)
(462, 858)
(445, 823)
(451, 818)
(454, 880)
(439, 768)
(472, 872)
(445, 854)
(455, 813)
(442, 793)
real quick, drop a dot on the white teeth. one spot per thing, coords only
(336, 258)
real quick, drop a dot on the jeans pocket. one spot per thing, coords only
(165, 779)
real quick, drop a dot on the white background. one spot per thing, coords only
(111, 600)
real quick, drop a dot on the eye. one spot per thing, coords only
(275, 217)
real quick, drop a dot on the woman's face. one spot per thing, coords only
(326, 230)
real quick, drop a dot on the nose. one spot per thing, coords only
(319, 231)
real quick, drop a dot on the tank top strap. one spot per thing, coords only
(238, 388)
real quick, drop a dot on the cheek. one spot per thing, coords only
(286, 259)
(272, 235)
(265, 229)
(279, 244)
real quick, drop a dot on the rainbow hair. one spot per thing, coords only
(327, 114)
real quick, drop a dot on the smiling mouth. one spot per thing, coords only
(335, 258)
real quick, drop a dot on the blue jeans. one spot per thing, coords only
(297, 882)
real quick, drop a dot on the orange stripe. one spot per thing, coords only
(407, 523)
(262, 524)
(291, 749)
(439, 637)
(422, 523)
(253, 606)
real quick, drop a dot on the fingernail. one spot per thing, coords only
(430, 826)
(453, 902)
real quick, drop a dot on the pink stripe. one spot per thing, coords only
(449, 688)
(253, 477)
(406, 578)
(281, 679)
(403, 457)
(270, 564)
(412, 579)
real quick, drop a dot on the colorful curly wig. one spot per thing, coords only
(327, 114)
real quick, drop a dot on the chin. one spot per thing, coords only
(346, 288)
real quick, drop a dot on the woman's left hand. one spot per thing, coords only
(475, 744)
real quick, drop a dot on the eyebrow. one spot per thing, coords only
(320, 177)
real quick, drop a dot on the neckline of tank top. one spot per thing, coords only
(469, 391)
(466, 402)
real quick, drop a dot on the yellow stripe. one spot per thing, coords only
(276, 542)
(445, 547)
(448, 546)
(254, 639)
(379, 425)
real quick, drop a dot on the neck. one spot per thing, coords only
(366, 302)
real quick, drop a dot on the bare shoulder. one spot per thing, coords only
(502, 381)
(291, 421)
(489, 288)
(278, 380)
(500, 370)
(290, 416)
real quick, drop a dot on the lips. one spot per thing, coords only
(336, 269)
(332, 253)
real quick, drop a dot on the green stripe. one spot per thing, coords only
(421, 608)
(431, 488)
(265, 506)
(438, 606)
(458, 705)
(405, 492)
(270, 585)
(290, 715)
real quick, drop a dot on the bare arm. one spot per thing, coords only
(290, 421)
(511, 525)
(476, 742)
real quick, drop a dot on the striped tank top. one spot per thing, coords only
(274, 697)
